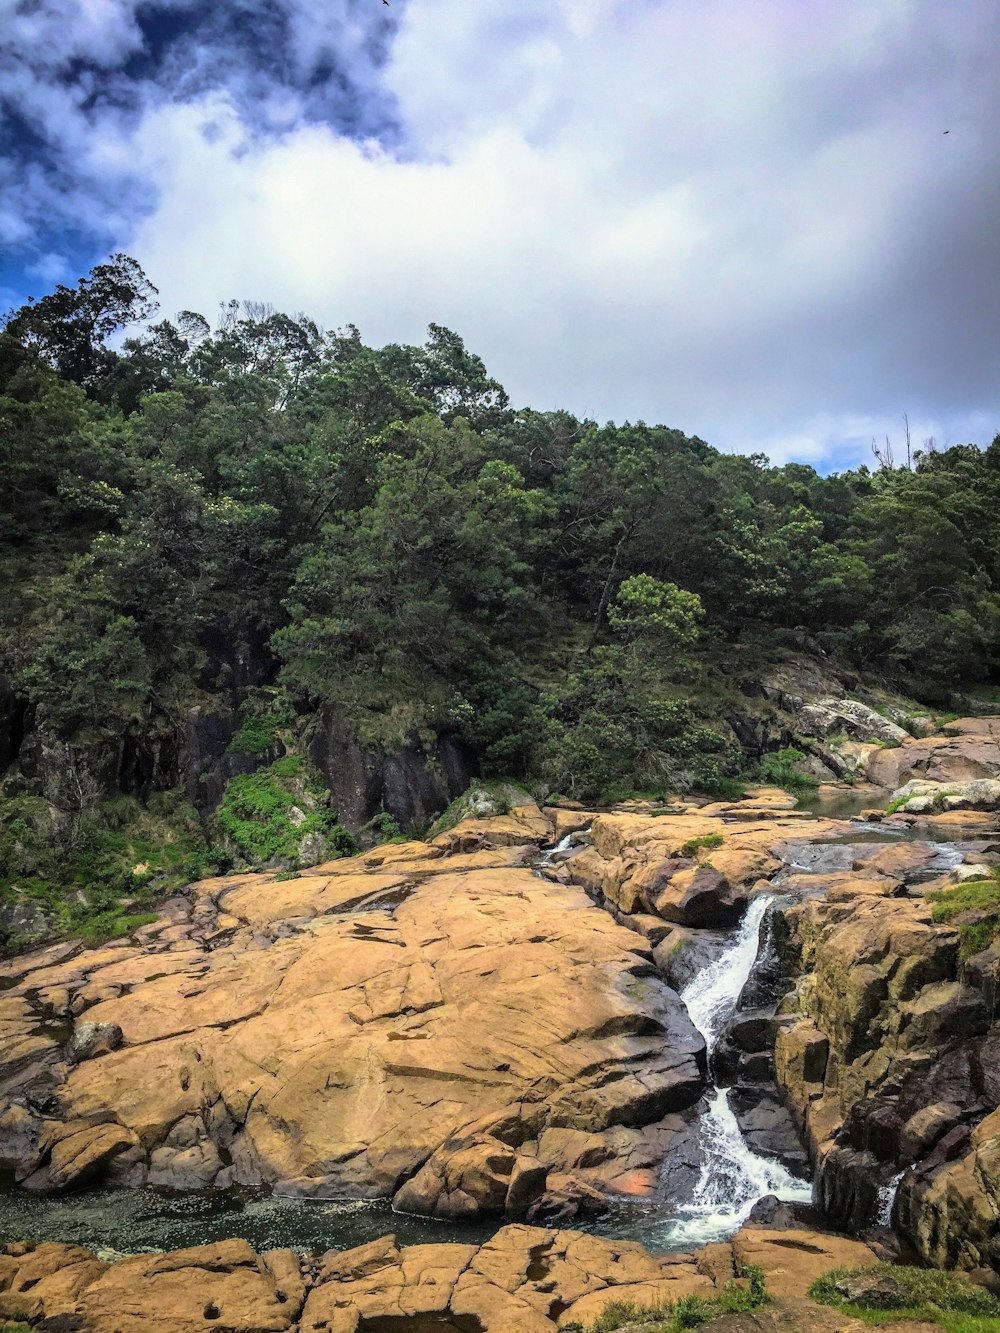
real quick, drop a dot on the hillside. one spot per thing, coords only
(270, 592)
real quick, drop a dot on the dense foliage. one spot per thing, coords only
(197, 513)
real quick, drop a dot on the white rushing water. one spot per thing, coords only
(733, 1177)
(886, 1199)
(563, 845)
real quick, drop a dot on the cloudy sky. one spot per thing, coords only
(743, 218)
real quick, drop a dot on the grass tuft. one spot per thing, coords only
(689, 1312)
(980, 899)
(947, 1299)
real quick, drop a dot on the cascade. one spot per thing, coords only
(886, 1199)
(733, 1177)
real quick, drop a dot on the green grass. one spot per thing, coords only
(691, 847)
(781, 769)
(688, 1312)
(975, 895)
(947, 1299)
(114, 925)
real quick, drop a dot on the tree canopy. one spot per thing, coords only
(378, 530)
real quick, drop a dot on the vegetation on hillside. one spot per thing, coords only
(287, 519)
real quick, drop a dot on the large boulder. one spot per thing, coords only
(857, 720)
(963, 754)
(347, 1030)
(919, 796)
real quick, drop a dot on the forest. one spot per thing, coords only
(284, 519)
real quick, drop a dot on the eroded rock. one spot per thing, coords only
(343, 1027)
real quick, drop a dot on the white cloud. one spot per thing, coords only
(741, 220)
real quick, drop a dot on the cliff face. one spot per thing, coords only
(889, 1052)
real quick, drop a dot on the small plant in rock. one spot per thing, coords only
(693, 845)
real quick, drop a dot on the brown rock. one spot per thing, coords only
(223, 1284)
(77, 1152)
(793, 1260)
(341, 1046)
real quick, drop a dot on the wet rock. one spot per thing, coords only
(683, 953)
(768, 1128)
(770, 1211)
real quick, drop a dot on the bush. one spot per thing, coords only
(781, 769)
(92, 874)
(266, 815)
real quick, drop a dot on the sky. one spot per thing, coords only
(771, 223)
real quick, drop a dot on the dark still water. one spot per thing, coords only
(131, 1220)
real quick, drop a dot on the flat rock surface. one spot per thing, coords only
(525, 1280)
(335, 1031)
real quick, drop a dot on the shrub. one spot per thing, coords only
(781, 769)
(267, 814)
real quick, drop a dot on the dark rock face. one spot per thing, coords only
(411, 784)
(14, 720)
(207, 763)
(768, 1127)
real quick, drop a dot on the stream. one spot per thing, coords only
(724, 1177)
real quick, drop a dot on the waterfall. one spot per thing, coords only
(563, 845)
(886, 1199)
(733, 1177)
